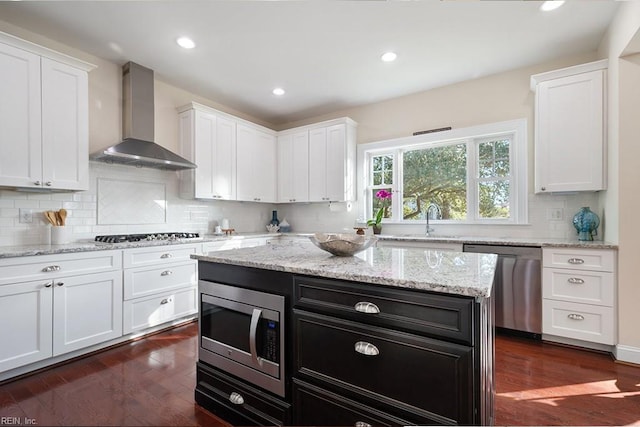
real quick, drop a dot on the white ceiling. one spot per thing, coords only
(325, 54)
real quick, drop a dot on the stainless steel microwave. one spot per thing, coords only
(242, 333)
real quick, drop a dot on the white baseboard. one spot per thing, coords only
(625, 353)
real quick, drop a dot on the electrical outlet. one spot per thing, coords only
(555, 214)
(26, 216)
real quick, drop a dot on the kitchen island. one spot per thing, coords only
(387, 337)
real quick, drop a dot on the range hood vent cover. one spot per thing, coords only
(138, 148)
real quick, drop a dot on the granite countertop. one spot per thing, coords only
(457, 273)
(503, 241)
(90, 245)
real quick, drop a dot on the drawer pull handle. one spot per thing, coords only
(166, 256)
(366, 348)
(165, 301)
(575, 281)
(236, 398)
(575, 261)
(60, 283)
(361, 424)
(166, 273)
(51, 268)
(48, 285)
(574, 316)
(367, 307)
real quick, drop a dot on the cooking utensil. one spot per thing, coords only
(63, 216)
(50, 216)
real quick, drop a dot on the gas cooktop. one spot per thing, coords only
(124, 238)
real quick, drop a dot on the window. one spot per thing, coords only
(470, 175)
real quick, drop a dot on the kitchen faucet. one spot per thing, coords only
(428, 214)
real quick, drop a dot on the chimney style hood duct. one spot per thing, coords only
(138, 148)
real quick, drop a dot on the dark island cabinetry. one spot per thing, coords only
(387, 356)
(361, 354)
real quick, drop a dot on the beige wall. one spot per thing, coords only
(495, 98)
(621, 199)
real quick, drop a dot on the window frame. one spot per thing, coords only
(472, 136)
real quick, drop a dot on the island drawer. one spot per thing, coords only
(414, 373)
(440, 316)
(318, 407)
(236, 402)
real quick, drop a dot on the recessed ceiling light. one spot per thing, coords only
(186, 43)
(278, 91)
(551, 5)
(389, 56)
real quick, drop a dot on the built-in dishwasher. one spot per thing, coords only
(517, 287)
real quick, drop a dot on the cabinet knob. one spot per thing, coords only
(37, 183)
(165, 301)
(574, 316)
(236, 398)
(575, 281)
(361, 424)
(575, 261)
(366, 348)
(48, 285)
(367, 307)
(51, 268)
(166, 273)
(166, 256)
(60, 283)
(543, 188)
(48, 183)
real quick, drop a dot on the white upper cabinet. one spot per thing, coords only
(43, 117)
(332, 162)
(293, 167)
(256, 164)
(208, 140)
(570, 129)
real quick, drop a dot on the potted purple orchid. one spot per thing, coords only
(376, 223)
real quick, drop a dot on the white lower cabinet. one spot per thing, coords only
(58, 305)
(160, 285)
(141, 313)
(87, 310)
(578, 295)
(26, 316)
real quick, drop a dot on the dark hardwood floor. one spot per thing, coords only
(151, 382)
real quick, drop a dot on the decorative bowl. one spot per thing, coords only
(342, 244)
(272, 228)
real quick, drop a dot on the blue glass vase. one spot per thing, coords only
(274, 218)
(586, 223)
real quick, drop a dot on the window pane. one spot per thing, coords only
(382, 169)
(378, 203)
(494, 159)
(494, 199)
(438, 177)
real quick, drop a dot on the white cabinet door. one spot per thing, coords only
(204, 140)
(256, 165)
(26, 319)
(318, 165)
(87, 310)
(331, 164)
(65, 126)
(20, 118)
(570, 133)
(293, 167)
(336, 163)
(208, 140)
(224, 161)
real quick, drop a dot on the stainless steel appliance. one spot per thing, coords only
(242, 332)
(517, 287)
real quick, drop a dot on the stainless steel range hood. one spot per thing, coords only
(137, 147)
